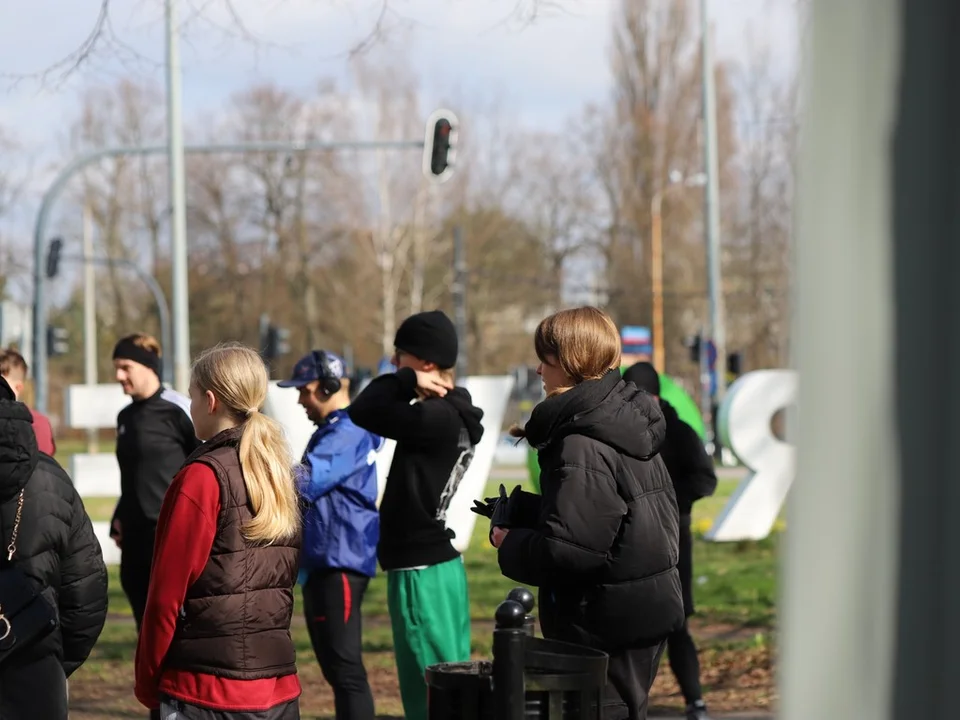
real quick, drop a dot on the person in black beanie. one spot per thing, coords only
(437, 428)
(154, 436)
(694, 477)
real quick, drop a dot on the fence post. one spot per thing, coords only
(526, 599)
(509, 640)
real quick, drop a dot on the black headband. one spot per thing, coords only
(126, 349)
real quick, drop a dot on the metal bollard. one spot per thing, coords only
(509, 641)
(526, 599)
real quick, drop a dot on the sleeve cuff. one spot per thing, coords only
(407, 377)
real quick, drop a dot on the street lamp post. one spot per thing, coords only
(178, 224)
(656, 259)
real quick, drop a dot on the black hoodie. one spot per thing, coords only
(690, 467)
(604, 548)
(435, 443)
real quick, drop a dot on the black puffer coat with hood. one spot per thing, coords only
(603, 545)
(56, 549)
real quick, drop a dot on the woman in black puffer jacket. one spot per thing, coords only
(57, 550)
(601, 544)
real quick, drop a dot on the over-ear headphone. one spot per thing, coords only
(329, 382)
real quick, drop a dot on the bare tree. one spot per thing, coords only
(652, 130)
(395, 208)
(760, 267)
(11, 190)
(102, 41)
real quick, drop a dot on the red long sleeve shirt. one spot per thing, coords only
(44, 433)
(185, 534)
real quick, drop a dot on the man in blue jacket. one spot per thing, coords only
(341, 527)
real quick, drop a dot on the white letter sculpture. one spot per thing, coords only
(745, 427)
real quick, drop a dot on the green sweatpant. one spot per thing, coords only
(430, 617)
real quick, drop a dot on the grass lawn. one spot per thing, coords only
(736, 590)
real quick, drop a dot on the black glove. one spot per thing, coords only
(486, 507)
(501, 510)
(505, 510)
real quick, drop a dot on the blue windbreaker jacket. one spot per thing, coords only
(338, 485)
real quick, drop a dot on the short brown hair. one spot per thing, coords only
(145, 342)
(12, 361)
(583, 341)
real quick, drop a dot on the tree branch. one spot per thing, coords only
(102, 39)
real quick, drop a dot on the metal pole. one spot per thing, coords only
(509, 644)
(712, 201)
(178, 225)
(656, 276)
(60, 182)
(704, 365)
(460, 299)
(89, 318)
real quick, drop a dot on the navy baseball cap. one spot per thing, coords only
(315, 365)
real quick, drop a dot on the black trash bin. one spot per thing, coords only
(563, 681)
(560, 681)
(460, 690)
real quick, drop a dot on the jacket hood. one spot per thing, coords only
(608, 410)
(18, 448)
(470, 413)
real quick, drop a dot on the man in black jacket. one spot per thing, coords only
(436, 427)
(154, 436)
(57, 549)
(694, 477)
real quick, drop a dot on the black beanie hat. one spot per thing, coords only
(644, 376)
(429, 336)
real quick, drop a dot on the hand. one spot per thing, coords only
(497, 535)
(489, 505)
(430, 384)
(116, 532)
(484, 508)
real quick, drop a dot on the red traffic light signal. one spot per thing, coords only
(439, 147)
(53, 257)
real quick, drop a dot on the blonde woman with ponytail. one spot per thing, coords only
(215, 642)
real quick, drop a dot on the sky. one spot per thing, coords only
(541, 72)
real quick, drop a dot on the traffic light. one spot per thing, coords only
(53, 257)
(440, 145)
(276, 343)
(58, 341)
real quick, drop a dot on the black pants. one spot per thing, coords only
(630, 675)
(331, 603)
(179, 710)
(680, 646)
(136, 559)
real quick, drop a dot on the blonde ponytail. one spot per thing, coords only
(268, 473)
(238, 378)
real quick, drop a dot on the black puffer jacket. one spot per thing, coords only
(57, 548)
(603, 550)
